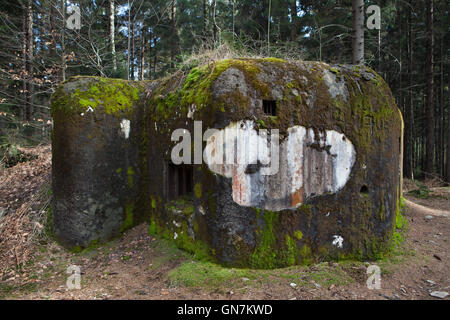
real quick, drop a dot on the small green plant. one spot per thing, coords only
(10, 155)
(205, 274)
(7, 290)
(421, 192)
(197, 274)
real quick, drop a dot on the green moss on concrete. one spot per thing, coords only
(383, 208)
(211, 203)
(188, 209)
(269, 251)
(152, 228)
(130, 174)
(335, 71)
(264, 256)
(298, 235)
(128, 222)
(179, 233)
(198, 190)
(195, 90)
(272, 59)
(290, 254)
(305, 254)
(401, 225)
(114, 95)
(400, 221)
(94, 244)
(199, 249)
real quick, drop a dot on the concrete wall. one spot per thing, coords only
(334, 194)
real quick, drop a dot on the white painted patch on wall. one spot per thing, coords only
(229, 151)
(176, 224)
(191, 111)
(309, 164)
(89, 109)
(125, 127)
(337, 241)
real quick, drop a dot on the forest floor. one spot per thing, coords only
(139, 266)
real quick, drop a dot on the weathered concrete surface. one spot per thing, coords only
(94, 160)
(334, 195)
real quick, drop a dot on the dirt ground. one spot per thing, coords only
(138, 266)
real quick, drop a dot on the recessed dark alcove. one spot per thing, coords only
(180, 180)
(270, 107)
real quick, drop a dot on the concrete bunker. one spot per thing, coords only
(335, 193)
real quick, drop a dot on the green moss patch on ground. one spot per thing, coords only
(195, 274)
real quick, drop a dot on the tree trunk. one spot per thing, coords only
(128, 41)
(293, 5)
(23, 111)
(28, 47)
(205, 20)
(111, 33)
(142, 54)
(441, 115)
(429, 168)
(409, 116)
(132, 53)
(448, 134)
(423, 126)
(174, 43)
(213, 8)
(149, 63)
(358, 32)
(63, 41)
(53, 33)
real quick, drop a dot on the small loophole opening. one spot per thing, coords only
(364, 190)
